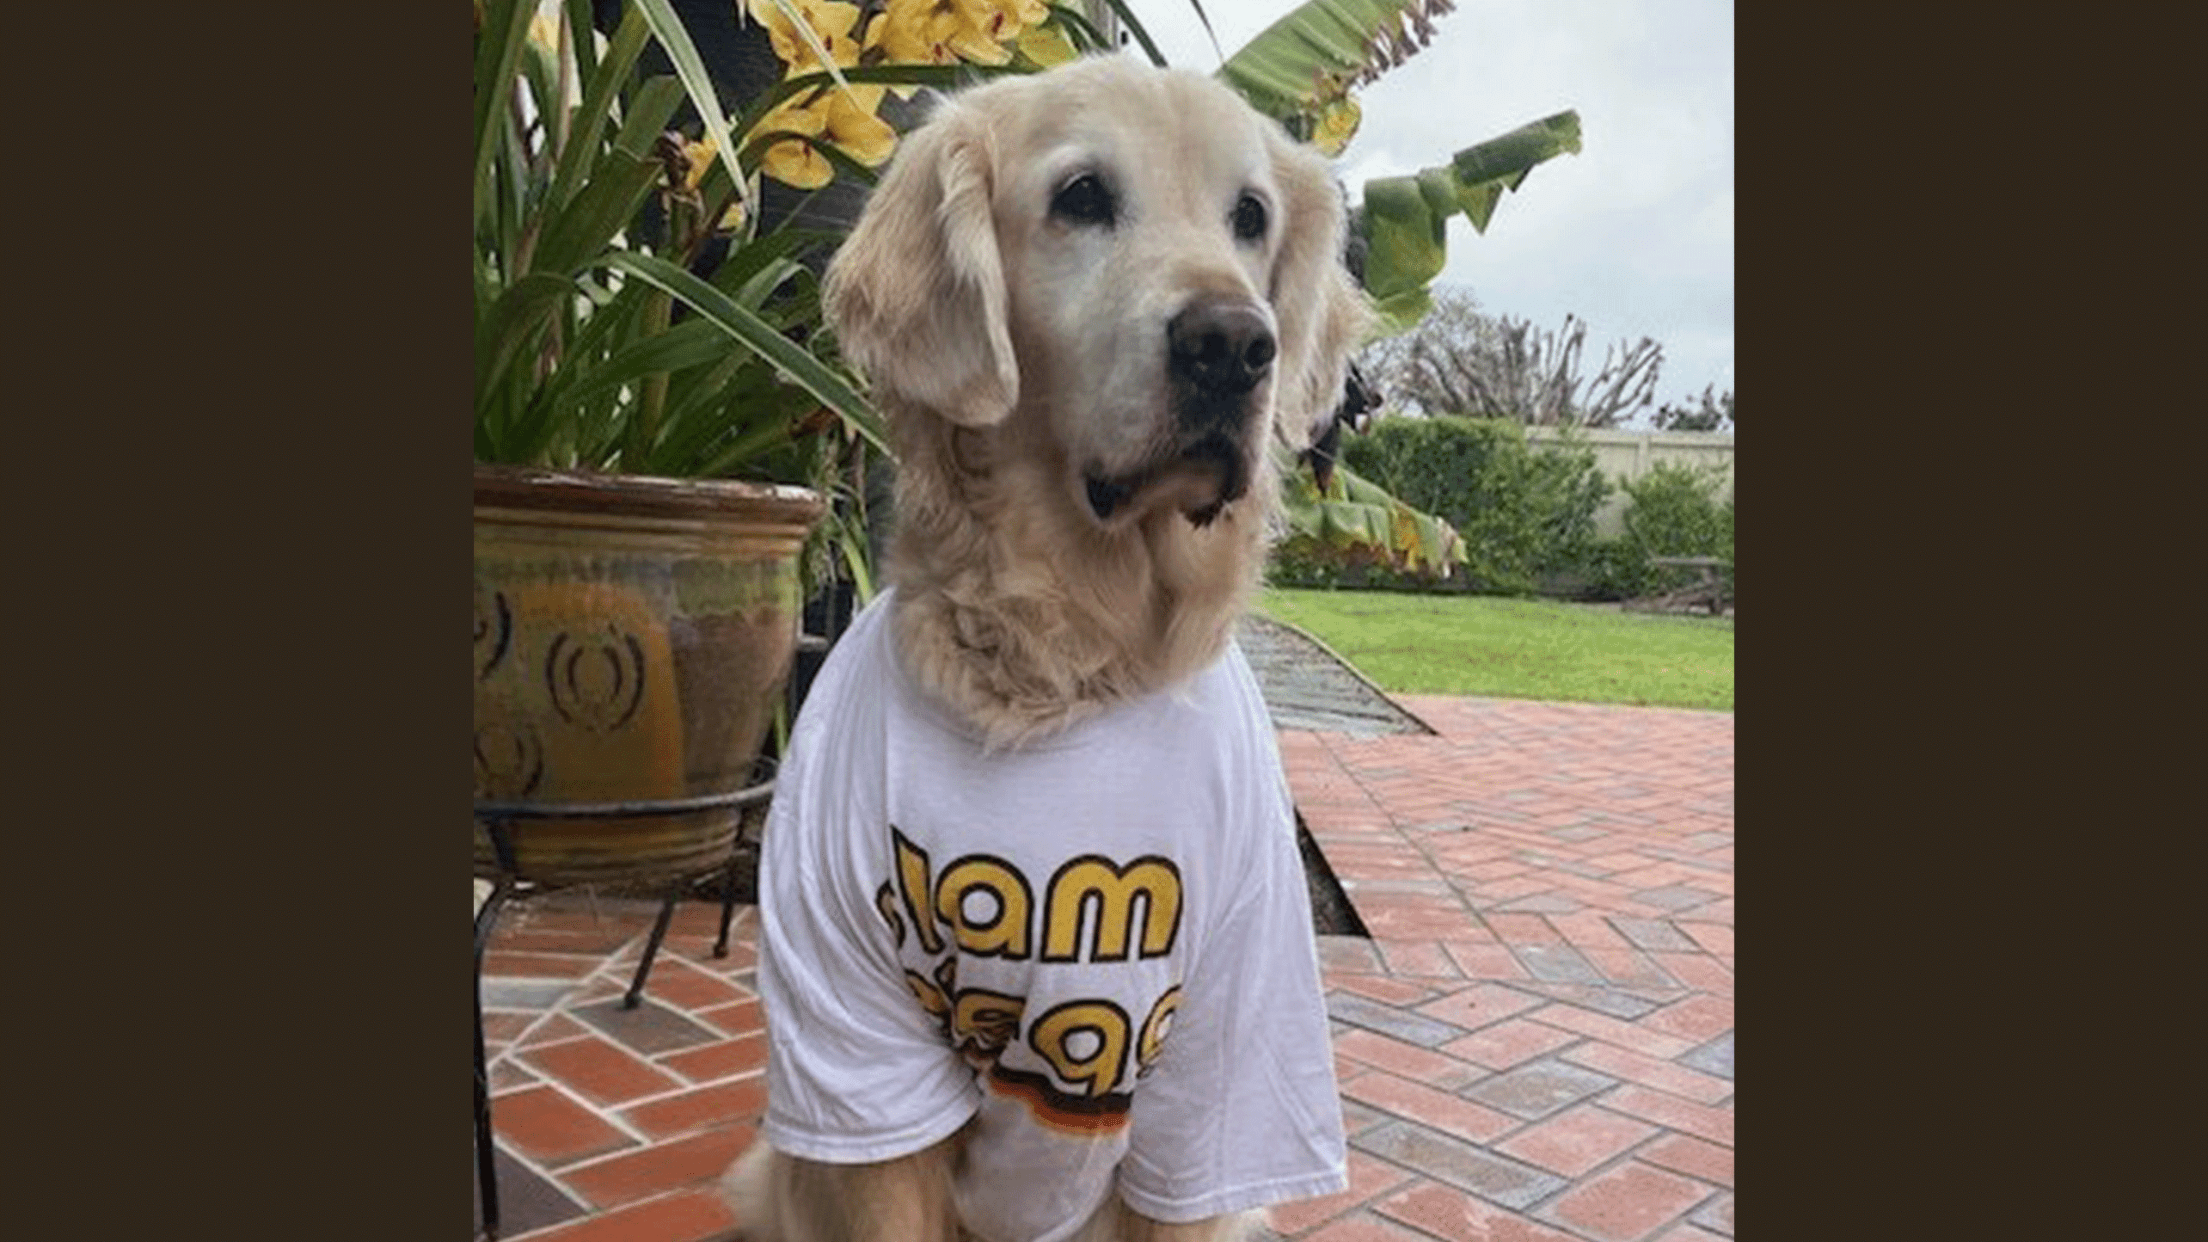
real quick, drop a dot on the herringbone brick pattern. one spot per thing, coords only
(1536, 1044)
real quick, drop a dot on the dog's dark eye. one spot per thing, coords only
(1084, 200)
(1249, 218)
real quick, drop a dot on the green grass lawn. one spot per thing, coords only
(1519, 648)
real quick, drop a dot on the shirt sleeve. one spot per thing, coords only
(1242, 1109)
(856, 1071)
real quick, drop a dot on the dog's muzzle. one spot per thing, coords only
(1208, 473)
(1219, 353)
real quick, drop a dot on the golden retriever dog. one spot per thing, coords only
(1031, 821)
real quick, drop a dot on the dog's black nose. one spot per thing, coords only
(1222, 345)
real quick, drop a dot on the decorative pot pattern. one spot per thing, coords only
(632, 637)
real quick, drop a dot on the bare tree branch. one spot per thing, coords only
(1460, 361)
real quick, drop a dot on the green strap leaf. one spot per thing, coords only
(852, 544)
(497, 62)
(766, 251)
(540, 70)
(783, 244)
(756, 334)
(588, 126)
(1084, 32)
(582, 35)
(702, 404)
(617, 185)
(753, 294)
(1134, 27)
(1209, 33)
(514, 322)
(684, 345)
(649, 111)
(690, 68)
(606, 206)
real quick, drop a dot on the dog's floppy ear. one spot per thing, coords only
(917, 293)
(1320, 312)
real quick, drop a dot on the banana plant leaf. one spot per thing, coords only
(1356, 518)
(1299, 66)
(1301, 69)
(1406, 219)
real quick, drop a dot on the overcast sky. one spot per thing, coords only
(1635, 233)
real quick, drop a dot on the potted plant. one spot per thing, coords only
(656, 440)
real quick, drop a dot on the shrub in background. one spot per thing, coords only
(1673, 510)
(1525, 511)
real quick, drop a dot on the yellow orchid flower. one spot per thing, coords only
(699, 156)
(913, 32)
(977, 31)
(796, 164)
(853, 127)
(790, 161)
(844, 119)
(943, 32)
(1025, 14)
(1047, 46)
(832, 22)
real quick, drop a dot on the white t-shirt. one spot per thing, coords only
(1100, 943)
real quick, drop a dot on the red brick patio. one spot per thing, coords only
(1536, 1045)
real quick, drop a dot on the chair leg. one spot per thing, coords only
(651, 946)
(728, 906)
(486, 1165)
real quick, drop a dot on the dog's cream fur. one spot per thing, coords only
(1014, 357)
(1008, 354)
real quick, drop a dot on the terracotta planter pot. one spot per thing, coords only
(632, 636)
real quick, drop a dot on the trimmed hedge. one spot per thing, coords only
(1526, 513)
